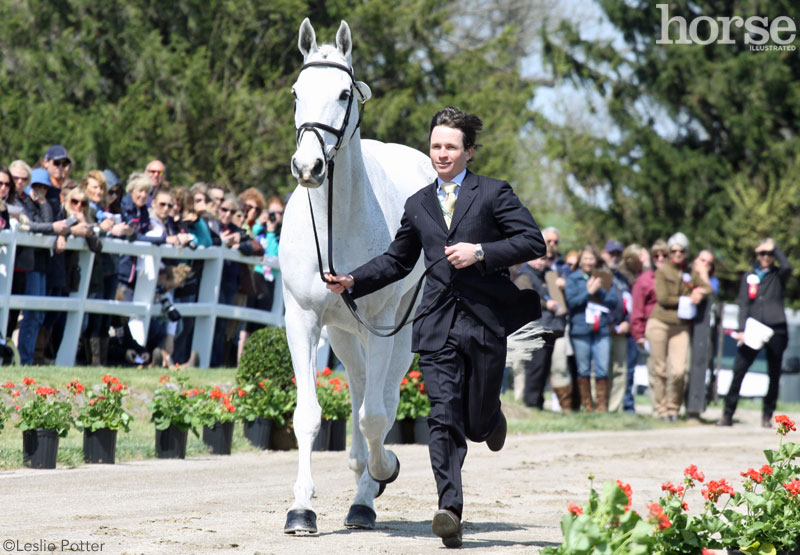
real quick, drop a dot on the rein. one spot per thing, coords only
(380, 331)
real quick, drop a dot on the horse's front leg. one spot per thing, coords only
(303, 331)
(382, 465)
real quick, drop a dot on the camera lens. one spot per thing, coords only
(272, 217)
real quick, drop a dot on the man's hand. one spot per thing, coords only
(339, 283)
(60, 227)
(461, 255)
(696, 295)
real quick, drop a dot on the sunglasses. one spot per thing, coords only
(552, 241)
(199, 199)
(677, 251)
(19, 178)
(660, 255)
(251, 207)
(226, 210)
(77, 202)
(163, 204)
(765, 253)
(61, 163)
(155, 172)
(6, 183)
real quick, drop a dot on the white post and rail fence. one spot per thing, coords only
(142, 308)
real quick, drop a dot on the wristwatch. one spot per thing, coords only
(479, 253)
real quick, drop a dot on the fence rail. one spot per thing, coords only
(142, 308)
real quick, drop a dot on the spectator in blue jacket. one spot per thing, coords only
(589, 307)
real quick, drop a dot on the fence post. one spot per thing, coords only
(207, 294)
(7, 253)
(74, 325)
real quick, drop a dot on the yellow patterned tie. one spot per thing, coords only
(449, 202)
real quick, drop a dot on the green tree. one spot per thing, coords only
(205, 85)
(705, 136)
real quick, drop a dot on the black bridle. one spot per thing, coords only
(315, 128)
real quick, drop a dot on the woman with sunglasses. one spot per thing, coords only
(667, 332)
(761, 297)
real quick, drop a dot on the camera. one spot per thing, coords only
(272, 216)
(167, 308)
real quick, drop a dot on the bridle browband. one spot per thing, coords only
(315, 127)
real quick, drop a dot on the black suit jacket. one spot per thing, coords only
(488, 212)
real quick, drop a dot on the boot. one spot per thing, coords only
(564, 395)
(94, 350)
(601, 388)
(103, 351)
(41, 343)
(585, 388)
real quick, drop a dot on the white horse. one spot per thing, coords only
(371, 182)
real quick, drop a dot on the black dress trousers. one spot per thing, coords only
(463, 380)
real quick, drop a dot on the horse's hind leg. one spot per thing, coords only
(303, 330)
(349, 350)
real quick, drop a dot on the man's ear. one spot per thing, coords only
(363, 91)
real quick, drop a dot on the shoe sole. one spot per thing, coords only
(446, 527)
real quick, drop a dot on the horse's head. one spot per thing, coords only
(326, 103)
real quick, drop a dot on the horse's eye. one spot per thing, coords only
(345, 95)
(294, 94)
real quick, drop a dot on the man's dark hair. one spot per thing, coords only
(469, 124)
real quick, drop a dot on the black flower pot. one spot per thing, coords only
(100, 446)
(337, 439)
(171, 443)
(39, 448)
(259, 432)
(422, 434)
(219, 438)
(395, 434)
(323, 436)
(283, 438)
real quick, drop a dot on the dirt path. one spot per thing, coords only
(238, 504)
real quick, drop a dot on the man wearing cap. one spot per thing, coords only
(620, 326)
(40, 214)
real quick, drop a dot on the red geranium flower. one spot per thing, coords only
(8, 385)
(793, 487)
(628, 492)
(752, 474)
(785, 424)
(692, 472)
(327, 371)
(575, 509)
(657, 514)
(414, 374)
(28, 381)
(716, 489)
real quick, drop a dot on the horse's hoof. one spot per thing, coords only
(388, 480)
(300, 520)
(381, 489)
(360, 516)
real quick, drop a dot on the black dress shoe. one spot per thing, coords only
(447, 526)
(766, 422)
(496, 441)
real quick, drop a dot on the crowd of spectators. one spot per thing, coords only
(602, 311)
(47, 200)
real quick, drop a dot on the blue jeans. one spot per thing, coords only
(32, 320)
(592, 348)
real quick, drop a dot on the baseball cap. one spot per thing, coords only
(56, 152)
(613, 246)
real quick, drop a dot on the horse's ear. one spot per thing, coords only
(363, 91)
(343, 40)
(307, 42)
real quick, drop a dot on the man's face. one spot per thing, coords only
(448, 155)
(155, 171)
(612, 258)
(551, 239)
(58, 170)
(161, 205)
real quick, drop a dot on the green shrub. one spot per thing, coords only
(266, 356)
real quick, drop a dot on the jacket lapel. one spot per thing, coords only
(467, 194)
(431, 204)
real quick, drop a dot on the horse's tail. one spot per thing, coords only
(523, 342)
